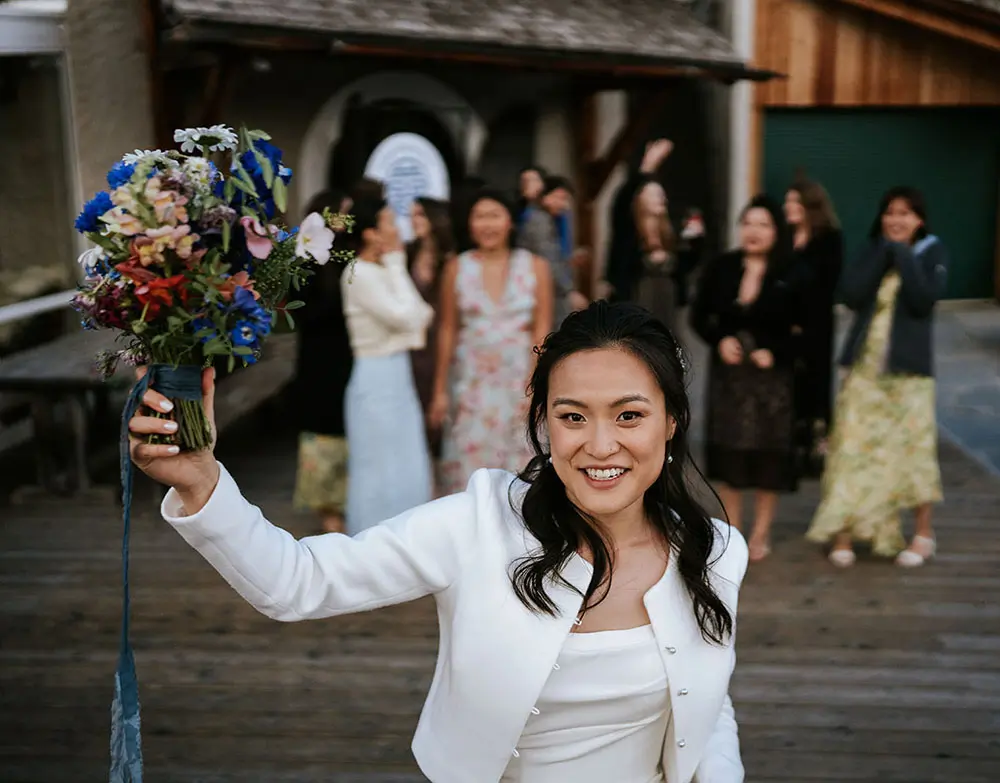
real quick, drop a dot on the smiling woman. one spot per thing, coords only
(587, 607)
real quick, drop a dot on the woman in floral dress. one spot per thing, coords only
(495, 306)
(883, 449)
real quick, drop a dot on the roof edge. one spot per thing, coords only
(194, 31)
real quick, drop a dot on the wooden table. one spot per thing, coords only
(63, 371)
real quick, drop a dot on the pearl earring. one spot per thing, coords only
(670, 458)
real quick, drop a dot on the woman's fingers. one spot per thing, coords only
(150, 425)
(155, 401)
(144, 453)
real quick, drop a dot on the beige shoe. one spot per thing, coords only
(920, 551)
(842, 558)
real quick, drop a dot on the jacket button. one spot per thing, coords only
(683, 691)
(681, 743)
(671, 650)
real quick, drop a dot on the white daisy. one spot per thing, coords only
(215, 138)
(159, 156)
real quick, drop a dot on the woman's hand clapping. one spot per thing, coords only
(193, 474)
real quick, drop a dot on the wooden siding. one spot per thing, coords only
(836, 55)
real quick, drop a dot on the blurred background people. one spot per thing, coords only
(541, 235)
(883, 451)
(657, 288)
(817, 258)
(744, 312)
(496, 304)
(319, 386)
(624, 265)
(432, 247)
(389, 468)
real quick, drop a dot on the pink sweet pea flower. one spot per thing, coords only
(258, 241)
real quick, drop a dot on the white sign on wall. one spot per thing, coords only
(410, 166)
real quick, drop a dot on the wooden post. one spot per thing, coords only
(158, 100)
(585, 124)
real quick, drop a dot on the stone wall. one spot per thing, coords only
(109, 67)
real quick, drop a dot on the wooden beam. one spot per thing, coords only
(949, 26)
(632, 133)
(162, 132)
(217, 87)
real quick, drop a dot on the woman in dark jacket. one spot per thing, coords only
(883, 449)
(323, 369)
(744, 311)
(817, 260)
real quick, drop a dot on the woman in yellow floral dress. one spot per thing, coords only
(883, 448)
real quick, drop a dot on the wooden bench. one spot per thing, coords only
(60, 378)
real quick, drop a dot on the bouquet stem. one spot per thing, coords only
(194, 432)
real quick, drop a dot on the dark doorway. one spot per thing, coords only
(366, 126)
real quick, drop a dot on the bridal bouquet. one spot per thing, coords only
(193, 262)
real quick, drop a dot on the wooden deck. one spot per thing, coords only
(871, 675)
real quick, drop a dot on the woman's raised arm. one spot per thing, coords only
(419, 552)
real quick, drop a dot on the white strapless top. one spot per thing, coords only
(602, 716)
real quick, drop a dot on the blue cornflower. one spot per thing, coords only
(88, 219)
(245, 334)
(199, 324)
(256, 316)
(120, 173)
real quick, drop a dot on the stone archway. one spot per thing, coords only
(468, 132)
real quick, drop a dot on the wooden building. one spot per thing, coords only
(885, 92)
(488, 86)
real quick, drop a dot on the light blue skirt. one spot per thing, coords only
(389, 469)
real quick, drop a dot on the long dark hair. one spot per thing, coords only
(562, 528)
(820, 213)
(911, 196)
(365, 211)
(780, 256)
(439, 216)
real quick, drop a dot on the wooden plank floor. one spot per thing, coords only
(871, 675)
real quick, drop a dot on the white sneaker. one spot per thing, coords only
(842, 558)
(920, 551)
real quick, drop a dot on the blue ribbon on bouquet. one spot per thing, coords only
(177, 383)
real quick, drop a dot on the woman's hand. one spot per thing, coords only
(438, 410)
(763, 358)
(193, 474)
(730, 350)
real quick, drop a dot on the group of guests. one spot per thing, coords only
(427, 350)
(766, 310)
(413, 362)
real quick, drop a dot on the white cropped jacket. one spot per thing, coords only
(494, 655)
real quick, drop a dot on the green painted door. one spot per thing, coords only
(952, 155)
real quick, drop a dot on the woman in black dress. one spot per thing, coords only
(432, 247)
(816, 262)
(744, 311)
(323, 368)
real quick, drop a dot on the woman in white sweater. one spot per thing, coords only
(549, 670)
(389, 469)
